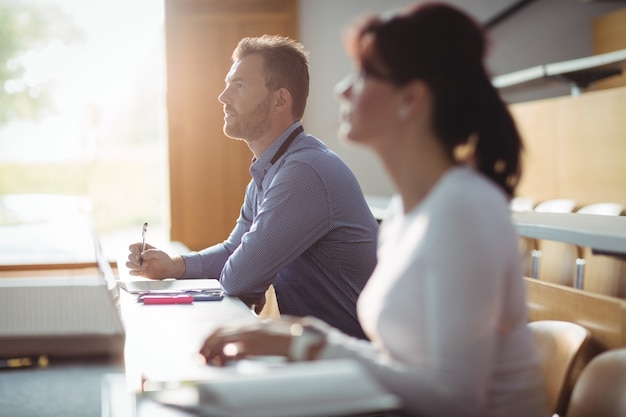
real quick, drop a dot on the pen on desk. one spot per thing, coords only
(215, 295)
(167, 299)
(144, 230)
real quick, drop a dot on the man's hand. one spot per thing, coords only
(154, 263)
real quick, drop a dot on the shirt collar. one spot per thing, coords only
(262, 164)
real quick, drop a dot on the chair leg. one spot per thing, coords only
(580, 273)
(536, 257)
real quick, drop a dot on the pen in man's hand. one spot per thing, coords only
(144, 230)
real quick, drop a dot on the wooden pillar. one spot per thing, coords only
(209, 171)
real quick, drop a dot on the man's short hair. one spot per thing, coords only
(286, 66)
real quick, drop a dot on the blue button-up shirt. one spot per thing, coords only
(304, 227)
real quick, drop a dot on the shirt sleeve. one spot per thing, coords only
(293, 215)
(209, 262)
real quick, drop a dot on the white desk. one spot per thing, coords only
(162, 345)
(603, 234)
(164, 340)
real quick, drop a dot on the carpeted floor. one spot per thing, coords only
(61, 390)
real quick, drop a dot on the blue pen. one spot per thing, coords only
(197, 295)
(215, 295)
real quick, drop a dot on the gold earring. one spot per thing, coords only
(464, 152)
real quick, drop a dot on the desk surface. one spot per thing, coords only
(603, 234)
(164, 340)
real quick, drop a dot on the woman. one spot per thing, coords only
(445, 307)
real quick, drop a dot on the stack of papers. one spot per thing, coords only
(136, 285)
(339, 387)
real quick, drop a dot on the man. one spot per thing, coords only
(304, 225)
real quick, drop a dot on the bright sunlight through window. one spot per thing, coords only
(82, 111)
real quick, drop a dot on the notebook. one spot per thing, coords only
(333, 387)
(69, 315)
(136, 285)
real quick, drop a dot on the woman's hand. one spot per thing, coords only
(240, 340)
(295, 338)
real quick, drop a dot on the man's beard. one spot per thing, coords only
(253, 125)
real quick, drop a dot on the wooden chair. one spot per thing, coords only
(561, 349)
(555, 261)
(522, 203)
(527, 245)
(600, 273)
(602, 209)
(270, 310)
(601, 387)
(557, 205)
(605, 275)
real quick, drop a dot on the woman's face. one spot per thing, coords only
(368, 108)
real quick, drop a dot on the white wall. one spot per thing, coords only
(542, 32)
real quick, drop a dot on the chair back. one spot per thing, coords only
(526, 244)
(560, 346)
(605, 209)
(522, 203)
(557, 205)
(600, 273)
(556, 261)
(601, 387)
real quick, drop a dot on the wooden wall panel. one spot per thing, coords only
(609, 34)
(209, 171)
(539, 154)
(575, 147)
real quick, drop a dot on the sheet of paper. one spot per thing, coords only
(136, 285)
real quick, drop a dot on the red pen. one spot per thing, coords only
(167, 299)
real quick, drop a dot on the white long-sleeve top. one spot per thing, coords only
(445, 308)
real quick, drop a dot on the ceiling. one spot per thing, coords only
(493, 13)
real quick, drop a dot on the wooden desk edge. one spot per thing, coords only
(603, 316)
(48, 266)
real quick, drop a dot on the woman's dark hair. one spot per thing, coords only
(445, 48)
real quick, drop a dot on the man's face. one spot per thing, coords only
(246, 100)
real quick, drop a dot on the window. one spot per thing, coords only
(82, 110)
